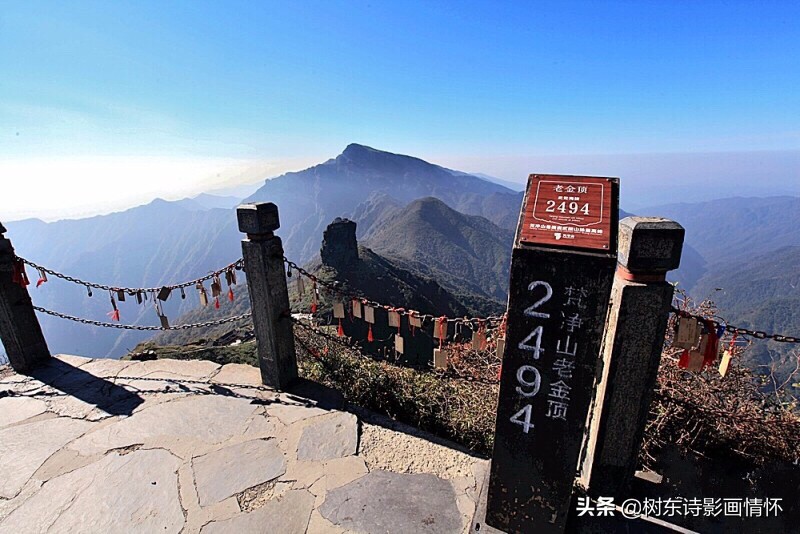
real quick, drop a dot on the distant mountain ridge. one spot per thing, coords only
(743, 254)
(761, 293)
(465, 253)
(310, 199)
(514, 186)
(734, 230)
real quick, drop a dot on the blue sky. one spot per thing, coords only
(493, 87)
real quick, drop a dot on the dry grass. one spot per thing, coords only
(456, 408)
(741, 415)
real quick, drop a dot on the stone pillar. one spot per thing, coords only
(634, 339)
(19, 328)
(269, 297)
(339, 244)
(562, 270)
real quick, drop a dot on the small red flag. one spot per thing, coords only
(683, 362)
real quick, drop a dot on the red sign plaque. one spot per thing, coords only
(569, 211)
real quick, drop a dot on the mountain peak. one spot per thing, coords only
(354, 149)
(364, 155)
(368, 156)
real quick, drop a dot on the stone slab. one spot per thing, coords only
(238, 374)
(231, 470)
(328, 437)
(319, 525)
(24, 448)
(106, 367)
(288, 514)
(75, 361)
(166, 368)
(137, 492)
(177, 425)
(342, 471)
(391, 502)
(93, 399)
(16, 409)
(289, 413)
(303, 474)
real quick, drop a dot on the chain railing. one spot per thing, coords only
(143, 328)
(238, 265)
(345, 296)
(758, 334)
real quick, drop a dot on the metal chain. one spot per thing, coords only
(137, 327)
(423, 317)
(758, 334)
(238, 264)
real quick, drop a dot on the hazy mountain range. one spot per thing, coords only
(744, 256)
(308, 200)
(434, 222)
(166, 242)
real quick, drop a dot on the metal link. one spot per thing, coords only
(758, 334)
(238, 264)
(143, 328)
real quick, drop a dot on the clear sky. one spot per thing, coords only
(108, 104)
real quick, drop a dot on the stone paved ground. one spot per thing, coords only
(174, 446)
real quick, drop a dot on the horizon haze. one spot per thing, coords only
(108, 106)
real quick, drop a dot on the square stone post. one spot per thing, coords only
(269, 298)
(19, 328)
(634, 339)
(562, 269)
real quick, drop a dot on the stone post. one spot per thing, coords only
(19, 328)
(269, 298)
(634, 338)
(562, 269)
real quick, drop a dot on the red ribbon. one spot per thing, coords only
(314, 295)
(230, 294)
(482, 330)
(369, 333)
(216, 302)
(442, 329)
(114, 313)
(712, 347)
(42, 278)
(340, 330)
(683, 361)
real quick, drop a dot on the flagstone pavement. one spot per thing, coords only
(169, 446)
